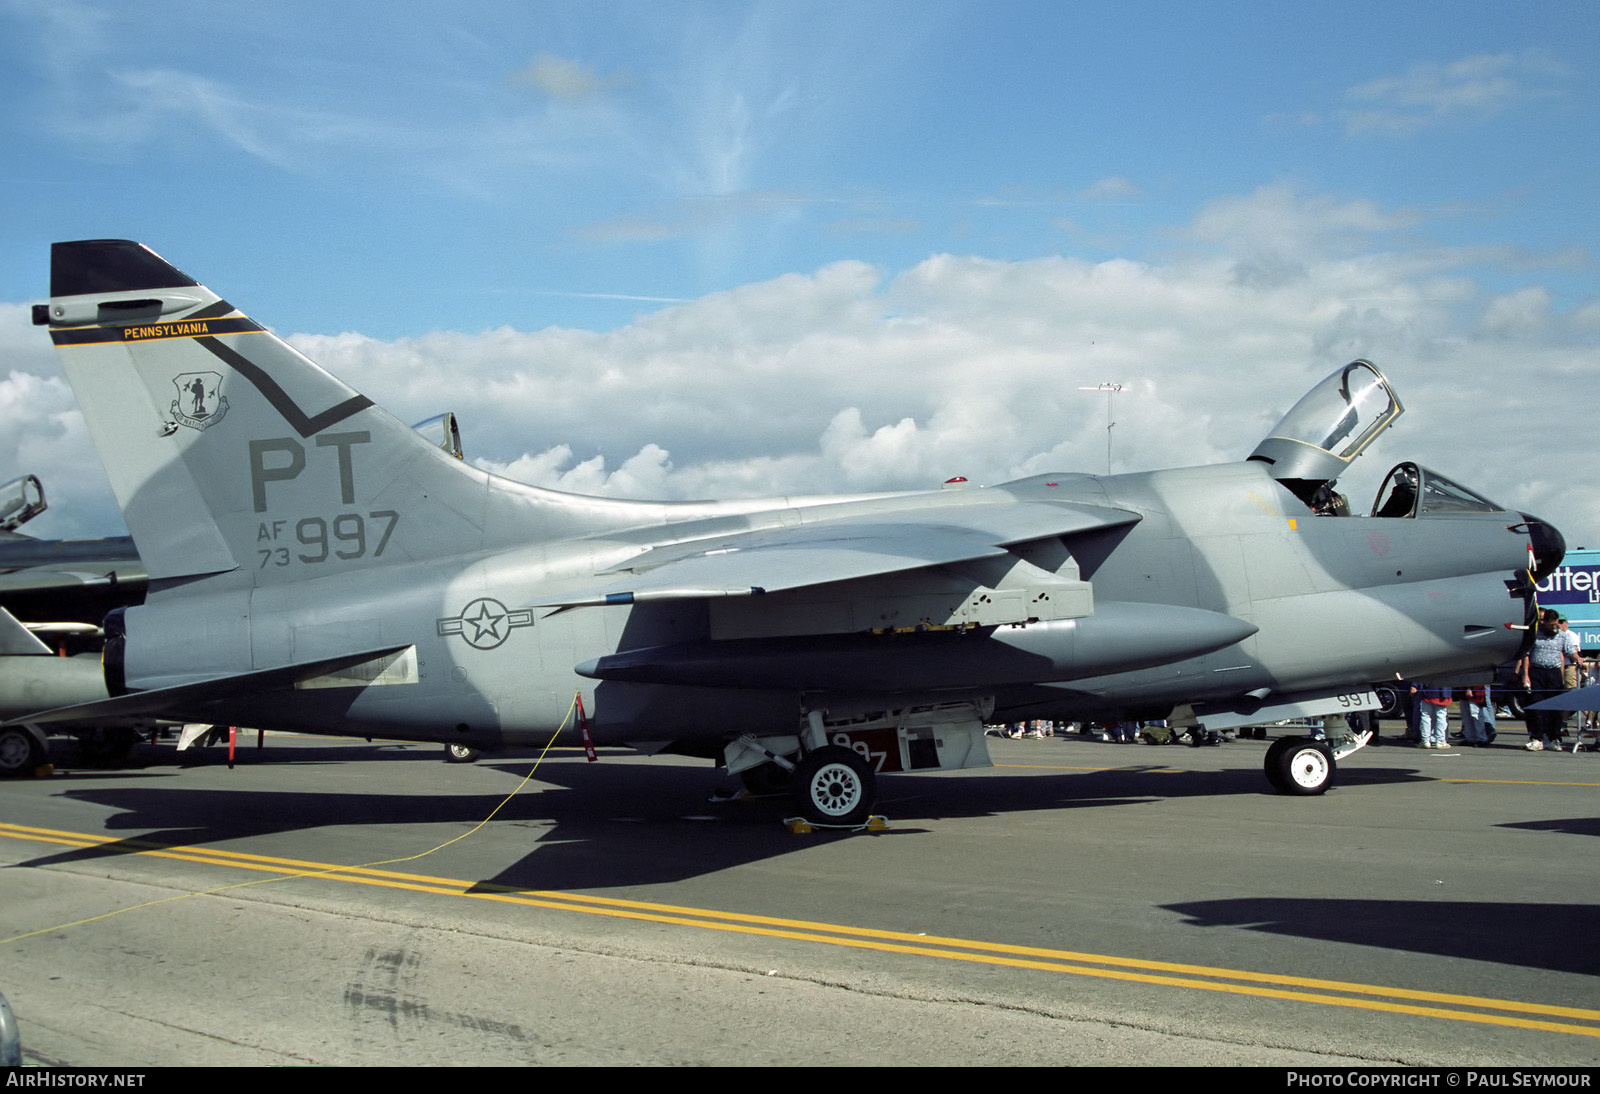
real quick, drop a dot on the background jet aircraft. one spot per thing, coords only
(315, 565)
(61, 588)
(33, 678)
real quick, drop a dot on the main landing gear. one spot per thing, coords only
(830, 769)
(834, 785)
(21, 750)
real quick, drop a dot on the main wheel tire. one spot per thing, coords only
(1388, 701)
(766, 780)
(1300, 766)
(460, 754)
(834, 785)
(1273, 758)
(19, 751)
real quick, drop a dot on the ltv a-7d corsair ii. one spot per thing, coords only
(317, 566)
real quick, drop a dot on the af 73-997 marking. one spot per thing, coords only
(348, 529)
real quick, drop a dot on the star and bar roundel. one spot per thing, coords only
(485, 623)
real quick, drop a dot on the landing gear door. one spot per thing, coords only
(1329, 427)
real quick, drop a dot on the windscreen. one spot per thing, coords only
(1411, 490)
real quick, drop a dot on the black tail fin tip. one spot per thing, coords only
(87, 266)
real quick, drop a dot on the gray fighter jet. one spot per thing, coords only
(58, 586)
(315, 565)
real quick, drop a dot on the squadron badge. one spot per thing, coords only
(200, 403)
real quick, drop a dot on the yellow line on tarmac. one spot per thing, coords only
(1508, 782)
(1464, 1008)
(1070, 767)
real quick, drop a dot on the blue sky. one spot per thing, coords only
(697, 248)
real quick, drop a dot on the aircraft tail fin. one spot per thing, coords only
(229, 451)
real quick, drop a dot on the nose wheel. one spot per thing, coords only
(1300, 766)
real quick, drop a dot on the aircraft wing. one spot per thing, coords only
(64, 581)
(30, 565)
(777, 560)
(1577, 699)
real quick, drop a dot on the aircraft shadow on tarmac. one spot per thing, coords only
(1536, 936)
(626, 820)
(1570, 826)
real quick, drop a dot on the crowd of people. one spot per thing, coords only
(1554, 664)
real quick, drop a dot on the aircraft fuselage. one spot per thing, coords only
(1339, 601)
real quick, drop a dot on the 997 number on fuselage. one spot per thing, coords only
(348, 537)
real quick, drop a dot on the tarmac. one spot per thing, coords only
(335, 902)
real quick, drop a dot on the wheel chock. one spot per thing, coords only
(799, 826)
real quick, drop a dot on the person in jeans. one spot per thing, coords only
(1477, 716)
(1433, 714)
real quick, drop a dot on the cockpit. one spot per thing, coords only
(1335, 422)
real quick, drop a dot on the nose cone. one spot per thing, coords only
(1549, 546)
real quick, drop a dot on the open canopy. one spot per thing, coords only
(1330, 426)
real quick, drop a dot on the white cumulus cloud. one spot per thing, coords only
(845, 378)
